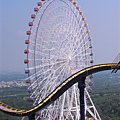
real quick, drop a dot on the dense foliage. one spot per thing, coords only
(105, 95)
(16, 97)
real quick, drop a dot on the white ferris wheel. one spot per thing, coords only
(58, 45)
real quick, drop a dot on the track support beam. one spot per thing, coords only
(81, 86)
(31, 117)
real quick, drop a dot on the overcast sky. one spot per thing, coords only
(102, 16)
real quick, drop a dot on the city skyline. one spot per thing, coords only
(103, 21)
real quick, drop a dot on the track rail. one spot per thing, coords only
(59, 90)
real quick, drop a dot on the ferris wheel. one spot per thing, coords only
(58, 45)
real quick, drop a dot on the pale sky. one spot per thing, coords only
(102, 16)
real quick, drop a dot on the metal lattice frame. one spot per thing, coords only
(58, 45)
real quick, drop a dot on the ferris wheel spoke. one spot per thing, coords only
(45, 54)
(84, 45)
(81, 56)
(52, 73)
(50, 84)
(48, 64)
(40, 73)
(84, 50)
(59, 70)
(54, 20)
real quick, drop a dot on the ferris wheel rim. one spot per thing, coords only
(66, 62)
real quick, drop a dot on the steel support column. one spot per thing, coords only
(31, 117)
(81, 86)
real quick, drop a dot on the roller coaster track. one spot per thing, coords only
(59, 90)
